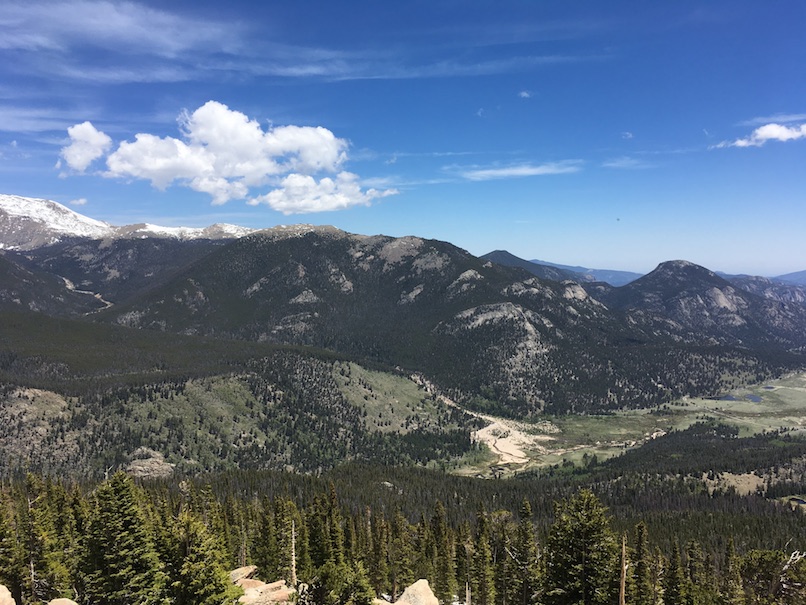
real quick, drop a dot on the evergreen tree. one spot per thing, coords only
(11, 555)
(202, 576)
(643, 592)
(731, 589)
(401, 554)
(445, 564)
(582, 560)
(674, 580)
(47, 574)
(425, 552)
(120, 565)
(378, 562)
(264, 546)
(700, 588)
(525, 578)
(483, 574)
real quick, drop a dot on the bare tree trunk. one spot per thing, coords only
(293, 554)
(622, 595)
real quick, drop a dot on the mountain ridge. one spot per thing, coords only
(29, 223)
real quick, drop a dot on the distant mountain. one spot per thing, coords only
(23, 289)
(30, 223)
(770, 288)
(799, 277)
(686, 301)
(609, 276)
(502, 257)
(496, 337)
(117, 269)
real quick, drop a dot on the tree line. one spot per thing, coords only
(119, 542)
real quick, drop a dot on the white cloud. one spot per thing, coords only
(778, 118)
(626, 163)
(60, 25)
(525, 94)
(522, 170)
(626, 135)
(87, 144)
(300, 193)
(768, 132)
(227, 155)
(82, 201)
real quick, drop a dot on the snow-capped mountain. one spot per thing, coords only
(29, 223)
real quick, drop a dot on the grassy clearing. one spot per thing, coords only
(394, 404)
(779, 404)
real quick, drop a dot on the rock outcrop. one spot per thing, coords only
(62, 602)
(418, 593)
(257, 592)
(5, 596)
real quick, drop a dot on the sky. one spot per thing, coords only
(612, 135)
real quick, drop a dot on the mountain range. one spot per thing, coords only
(496, 337)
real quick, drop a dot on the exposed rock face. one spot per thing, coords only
(257, 592)
(62, 602)
(418, 593)
(5, 596)
(236, 575)
(149, 463)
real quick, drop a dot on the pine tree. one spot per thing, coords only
(483, 574)
(642, 589)
(731, 589)
(581, 554)
(674, 580)
(401, 555)
(202, 576)
(120, 563)
(525, 580)
(264, 546)
(445, 566)
(47, 574)
(11, 555)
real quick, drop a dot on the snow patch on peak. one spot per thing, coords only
(54, 217)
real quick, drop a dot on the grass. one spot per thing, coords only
(773, 405)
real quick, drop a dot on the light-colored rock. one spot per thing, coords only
(62, 602)
(242, 572)
(5, 596)
(256, 592)
(418, 593)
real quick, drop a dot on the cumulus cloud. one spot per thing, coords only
(301, 193)
(227, 155)
(525, 94)
(87, 144)
(82, 201)
(768, 132)
(522, 170)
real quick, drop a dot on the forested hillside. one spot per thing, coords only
(117, 542)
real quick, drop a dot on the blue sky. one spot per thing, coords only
(604, 134)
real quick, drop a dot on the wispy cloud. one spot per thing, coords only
(116, 26)
(521, 170)
(778, 118)
(627, 163)
(768, 132)
(525, 94)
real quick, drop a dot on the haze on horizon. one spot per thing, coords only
(608, 136)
